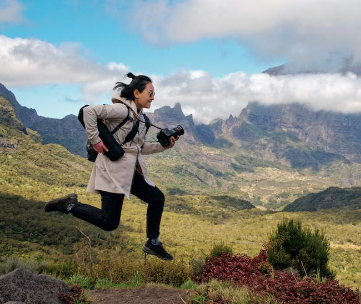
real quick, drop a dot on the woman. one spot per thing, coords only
(116, 179)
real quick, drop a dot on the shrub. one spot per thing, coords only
(80, 281)
(61, 269)
(174, 273)
(76, 296)
(293, 246)
(196, 265)
(282, 286)
(11, 263)
(218, 249)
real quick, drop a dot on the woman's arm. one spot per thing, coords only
(150, 148)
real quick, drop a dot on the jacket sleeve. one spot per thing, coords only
(150, 148)
(91, 114)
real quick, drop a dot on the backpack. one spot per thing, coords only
(115, 150)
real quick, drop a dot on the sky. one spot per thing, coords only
(208, 55)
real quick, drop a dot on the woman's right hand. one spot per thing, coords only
(100, 147)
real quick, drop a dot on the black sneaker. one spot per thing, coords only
(157, 250)
(62, 204)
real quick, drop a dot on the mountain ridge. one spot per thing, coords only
(264, 155)
(66, 131)
(291, 131)
(333, 197)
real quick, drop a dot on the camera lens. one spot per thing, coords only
(180, 130)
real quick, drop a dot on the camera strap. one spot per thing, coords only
(148, 124)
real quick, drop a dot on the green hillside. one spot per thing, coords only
(205, 204)
(332, 197)
(28, 165)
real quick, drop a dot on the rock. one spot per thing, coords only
(22, 287)
(291, 270)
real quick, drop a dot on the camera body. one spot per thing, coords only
(165, 134)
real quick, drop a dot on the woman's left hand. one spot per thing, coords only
(172, 142)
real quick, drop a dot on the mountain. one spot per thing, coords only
(268, 155)
(67, 131)
(295, 134)
(291, 134)
(333, 197)
(28, 164)
(344, 67)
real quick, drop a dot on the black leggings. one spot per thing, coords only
(108, 217)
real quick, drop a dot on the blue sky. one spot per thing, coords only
(208, 55)
(107, 38)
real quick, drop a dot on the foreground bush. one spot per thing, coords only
(262, 279)
(293, 246)
(218, 249)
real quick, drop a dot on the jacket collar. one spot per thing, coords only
(132, 105)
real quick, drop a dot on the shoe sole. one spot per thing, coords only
(48, 206)
(151, 252)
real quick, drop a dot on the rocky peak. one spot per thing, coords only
(175, 113)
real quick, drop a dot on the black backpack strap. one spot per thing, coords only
(123, 122)
(80, 115)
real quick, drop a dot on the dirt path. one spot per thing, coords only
(141, 295)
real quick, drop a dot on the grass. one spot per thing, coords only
(228, 292)
(190, 237)
(35, 173)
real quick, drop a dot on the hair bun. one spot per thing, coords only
(131, 75)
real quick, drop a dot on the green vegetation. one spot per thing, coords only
(225, 292)
(293, 246)
(218, 249)
(197, 214)
(333, 197)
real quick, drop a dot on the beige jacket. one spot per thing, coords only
(117, 176)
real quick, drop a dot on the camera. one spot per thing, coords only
(165, 134)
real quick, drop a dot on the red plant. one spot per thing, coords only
(75, 294)
(259, 276)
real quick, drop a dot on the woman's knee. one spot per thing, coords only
(160, 197)
(158, 201)
(110, 225)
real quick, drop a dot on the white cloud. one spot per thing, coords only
(208, 98)
(311, 33)
(30, 62)
(11, 12)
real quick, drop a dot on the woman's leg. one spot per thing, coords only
(106, 218)
(155, 200)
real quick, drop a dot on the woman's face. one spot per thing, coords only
(144, 99)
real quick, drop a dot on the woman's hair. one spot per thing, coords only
(138, 83)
